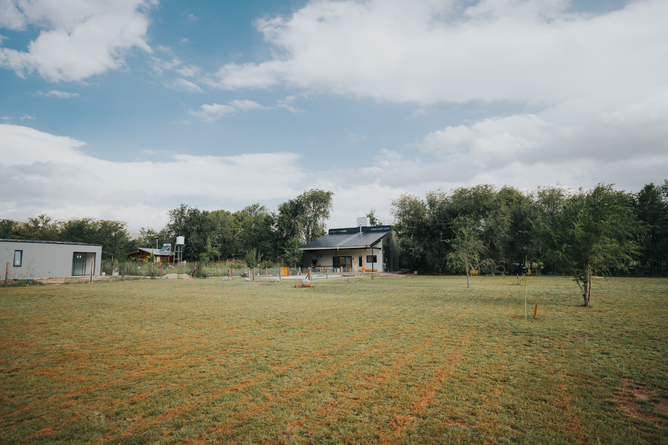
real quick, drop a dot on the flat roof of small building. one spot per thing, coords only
(3, 240)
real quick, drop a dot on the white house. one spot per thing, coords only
(372, 248)
(48, 259)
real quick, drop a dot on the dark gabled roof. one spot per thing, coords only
(363, 240)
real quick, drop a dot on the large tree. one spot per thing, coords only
(194, 226)
(315, 206)
(651, 205)
(594, 233)
(412, 227)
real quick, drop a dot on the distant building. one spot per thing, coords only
(163, 254)
(48, 259)
(372, 248)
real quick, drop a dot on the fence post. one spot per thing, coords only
(6, 273)
(253, 276)
(309, 274)
(91, 272)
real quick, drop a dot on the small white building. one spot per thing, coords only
(26, 259)
(372, 248)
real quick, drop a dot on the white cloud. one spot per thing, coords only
(186, 85)
(188, 71)
(62, 94)
(429, 52)
(28, 117)
(210, 113)
(49, 167)
(77, 39)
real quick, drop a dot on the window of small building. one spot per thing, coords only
(372, 258)
(18, 258)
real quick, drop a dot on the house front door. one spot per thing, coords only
(79, 264)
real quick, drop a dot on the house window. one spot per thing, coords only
(372, 259)
(343, 261)
(18, 258)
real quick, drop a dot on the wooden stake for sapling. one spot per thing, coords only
(535, 312)
(6, 273)
(309, 274)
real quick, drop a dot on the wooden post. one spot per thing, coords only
(535, 312)
(266, 271)
(127, 268)
(326, 272)
(6, 273)
(253, 276)
(279, 273)
(309, 274)
(91, 272)
(160, 269)
(299, 272)
(152, 273)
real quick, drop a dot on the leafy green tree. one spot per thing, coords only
(316, 206)
(253, 258)
(8, 229)
(373, 220)
(151, 238)
(291, 253)
(651, 207)
(194, 226)
(594, 232)
(41, 227)
(467, 248)
(303, 219)
(222, 235)
(410, 214)
(254, 230)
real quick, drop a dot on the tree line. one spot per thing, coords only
(253, 233)
(552, 229)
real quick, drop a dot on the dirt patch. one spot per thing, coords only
(172, 276)
(633, 394)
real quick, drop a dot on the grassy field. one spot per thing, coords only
(384, 360)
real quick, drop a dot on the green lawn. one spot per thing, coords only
(384, 360)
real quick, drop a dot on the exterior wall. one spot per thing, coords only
(44, 259)
(325, 258)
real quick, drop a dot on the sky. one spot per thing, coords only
(124, 110)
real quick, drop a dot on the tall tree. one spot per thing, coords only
(593, 233)
(193, 225)
(254, 230)
(651, 206)
(316, 207)
(410, 214)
